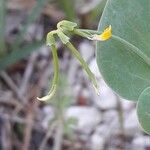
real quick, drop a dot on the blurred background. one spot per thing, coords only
(76, 118)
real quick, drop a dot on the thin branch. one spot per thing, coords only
(11, 84)
(48, 134)
(27, 74)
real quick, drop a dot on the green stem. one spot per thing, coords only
(84, 65)
(56, 76)
(56, 67)
(86, 33)
(91, 31)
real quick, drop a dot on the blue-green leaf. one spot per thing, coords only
(143, 110)
(123, 70)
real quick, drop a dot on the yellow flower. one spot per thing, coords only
(107, 33)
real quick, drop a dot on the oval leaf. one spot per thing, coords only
(123, 70)
(143, 110)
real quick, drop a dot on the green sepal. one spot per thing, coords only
(63, 37)
(50, 40)
(66, 25)
(84, 33)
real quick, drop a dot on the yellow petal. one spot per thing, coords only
(107, 33)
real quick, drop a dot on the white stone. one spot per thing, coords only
(72, 71)
(141, 142)
(102, 129)
(76, 89)
(131, 123)
(87, 50)
(109, 116)
(110, 123)
(97, 142)
(44, 51)
(39, 34)
(94, 68)
(106, 99)
(30, 32)
(127, 105)
(86, 93)
(88, 117)
(48, 116)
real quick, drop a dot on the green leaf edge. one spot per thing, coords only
(137, 111)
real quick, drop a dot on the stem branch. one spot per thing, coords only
(84, 65)
(56, 76)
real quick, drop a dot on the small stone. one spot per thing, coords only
(72, 71)
(48, 116)
(127, 105)
(94, 68)
(86, 50)
(141, 143)
(102, 129)
(76, 89)
(39, 34)
(97, 142)
(44, 51)
(87, 117)
(86, 93)
(109, 115)
(106, 99)
(131, 123)
(30, 32)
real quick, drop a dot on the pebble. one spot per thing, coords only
(131, 123)
(94, 68)
(97, 142)
(127, 105)
(72, 71)
(88, 117)
(141, 143)
(86, 50)
(109, 116)
(49, 115)
(30, 32)
(107, 99)
(44, 51)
